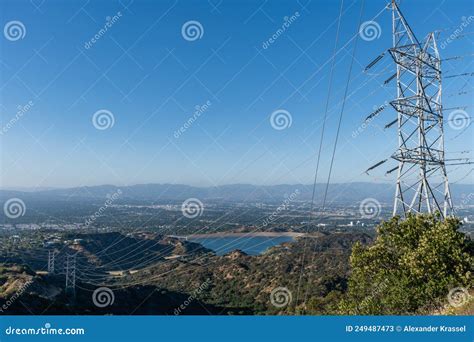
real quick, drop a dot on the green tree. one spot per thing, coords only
(411, 265)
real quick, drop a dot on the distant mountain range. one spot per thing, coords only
(342, 193)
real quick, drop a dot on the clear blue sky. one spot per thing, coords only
(150, 78)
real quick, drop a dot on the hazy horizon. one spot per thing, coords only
(19, 188)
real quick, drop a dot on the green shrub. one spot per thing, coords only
(412, 264)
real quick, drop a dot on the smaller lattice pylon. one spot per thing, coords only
(70, 267)
(51, 261)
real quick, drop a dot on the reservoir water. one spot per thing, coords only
(252, 245)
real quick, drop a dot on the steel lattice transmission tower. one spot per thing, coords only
(422, 182)
(51, 259)
(71, 275)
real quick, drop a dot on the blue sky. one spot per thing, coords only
(144, 72)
